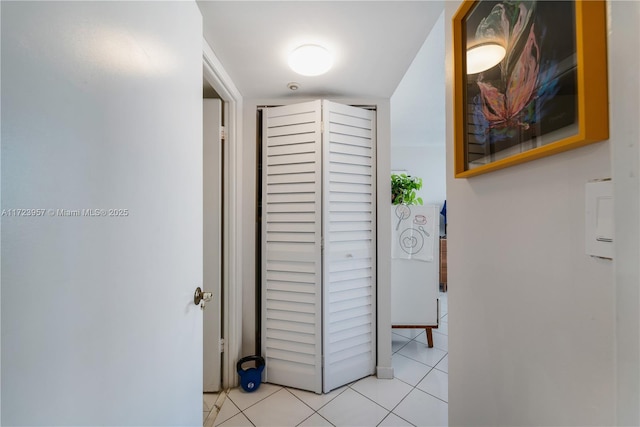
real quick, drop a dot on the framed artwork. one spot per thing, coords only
(530, 80)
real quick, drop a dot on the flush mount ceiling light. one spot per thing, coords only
(484, 56)
(310, 60)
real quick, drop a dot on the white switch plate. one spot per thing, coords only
(599, 218)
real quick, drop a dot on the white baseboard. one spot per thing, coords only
(384, 373)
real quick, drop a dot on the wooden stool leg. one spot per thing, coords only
(429, 337)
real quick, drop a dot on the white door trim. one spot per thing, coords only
(215, 74)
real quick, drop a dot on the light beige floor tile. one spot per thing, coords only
(443, 328)
(444, 364)
(410, 333)
(386, 393)
(398, 341)
(408, 370)
(227, 411)
(422, 409)
(243, 400)
(440, 340)
(392, 420)
(315, 420)
(420, 352)
(316, 401)
(238, 421)
(279, 409)
(354, 410)
(436, 383)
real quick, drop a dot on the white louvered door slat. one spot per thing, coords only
(291, 246)
(349, 224)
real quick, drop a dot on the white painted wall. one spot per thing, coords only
(531, 317)
(102, 108)
(624, 92)
(249, 223)
(418, 118)
(429, 163)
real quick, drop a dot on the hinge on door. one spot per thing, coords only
(221, 345)
(321, 127)
(223, 133)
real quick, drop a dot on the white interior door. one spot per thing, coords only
(212, 245)
(291, 246)
(349, 230)
(102, 130)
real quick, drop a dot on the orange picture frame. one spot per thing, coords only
(591, 99)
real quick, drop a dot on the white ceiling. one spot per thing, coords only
(374, 42)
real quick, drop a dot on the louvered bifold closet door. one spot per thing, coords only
(349, 223)
(291, 246)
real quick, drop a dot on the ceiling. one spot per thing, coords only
(374, 43)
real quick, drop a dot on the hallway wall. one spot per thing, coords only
(418, 119)
(516, 252)
(624, 90)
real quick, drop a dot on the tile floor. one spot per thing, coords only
(417, 396)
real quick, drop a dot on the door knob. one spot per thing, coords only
(200, 298)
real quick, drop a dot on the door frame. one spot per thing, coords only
(214, 73)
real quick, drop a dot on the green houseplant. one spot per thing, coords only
(403, 189)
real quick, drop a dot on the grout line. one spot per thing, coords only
(393, 413)
(316, 413)
(224, 421)
(305, 403)
(413, 387)
(444, 372)
(324, 404)
(422, 363)
(244, 415)
(432, 395)
(366, 397)
(258, 401)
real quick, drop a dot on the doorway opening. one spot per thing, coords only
(418, 149)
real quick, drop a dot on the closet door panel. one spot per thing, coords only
(349, 334)
(291, 246)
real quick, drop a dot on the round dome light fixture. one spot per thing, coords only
(310, 60)
(484, 56)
